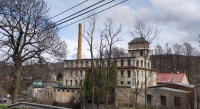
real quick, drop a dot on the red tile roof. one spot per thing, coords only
(170, 77)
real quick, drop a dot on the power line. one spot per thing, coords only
(81, 11)
(93, 14)
(68, 9)
(85, 13)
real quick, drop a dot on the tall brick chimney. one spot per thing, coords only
(79, 42)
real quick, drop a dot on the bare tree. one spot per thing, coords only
(159, 52)
(117, 52)
(177, 51)
(100, 47)
(88, 34)
(27, 33)
(188, 52)
(149, 33)
(112, 33)
(169, 58)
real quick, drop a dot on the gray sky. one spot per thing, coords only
(179, 20)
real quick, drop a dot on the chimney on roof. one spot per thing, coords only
(79, 42)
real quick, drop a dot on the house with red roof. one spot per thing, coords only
(171, 77)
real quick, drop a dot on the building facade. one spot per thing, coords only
(131, 68)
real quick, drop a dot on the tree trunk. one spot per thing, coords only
(16, 86)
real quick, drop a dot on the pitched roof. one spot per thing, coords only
(138, 40)
(170, 77)
(54, 84)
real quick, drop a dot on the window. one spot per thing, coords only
(62, 90)
(71, 64)
(103, 63)
(148, 65)
(66, 82)
(122, 63)
(115, 62)
(86, 63)
(76, 72)
(122, 73)
(108, 62)
(75, 82)
(142, 74)
(67, 90)
(163, 100)
(128, 73)
(76, 63)
(2, 101)
(177, 101)
(71, 73)
(97, 63)
(142, 84)
(81, 82)
(77, 91)
(149, 99)
(58, 90)
(51, 95)
(137, 63)
(71, 82)
(141, 63)
(72, 90)
(129, 62)
(81, 63)
(141, 53)
(128, 82)
(121, 82)
(81, 72)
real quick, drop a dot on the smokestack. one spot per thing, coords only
(79, 42)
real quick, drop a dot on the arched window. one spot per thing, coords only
(122, 62)
(137, 63)
(129, 62)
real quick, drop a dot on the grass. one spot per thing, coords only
(3, 106)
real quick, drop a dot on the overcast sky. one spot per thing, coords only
(179, 20)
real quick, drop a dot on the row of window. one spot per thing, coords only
(177, 100)
(76, 82)
(76, 73)
(97, 63)
(65, 90)
(122, 74)
(122, 82)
